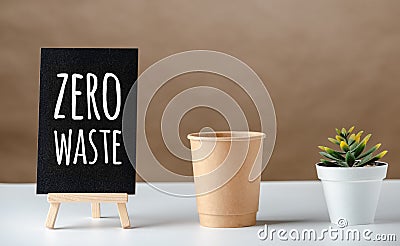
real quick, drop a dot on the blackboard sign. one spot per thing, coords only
(80, 143)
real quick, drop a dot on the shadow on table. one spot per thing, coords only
(162, 223)
(291, 221)
(321, 221)
(102, 222)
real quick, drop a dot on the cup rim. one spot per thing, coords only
(226, 135)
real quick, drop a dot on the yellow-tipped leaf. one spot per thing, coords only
(358, 136)
(366, 139)
(352, 139)
(334, 153)
(334, 141)
(382, 154)
(370, 151)
(339, 138)
(344, 146)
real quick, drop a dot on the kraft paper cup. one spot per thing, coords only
(227, 168)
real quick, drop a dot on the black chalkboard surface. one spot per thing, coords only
(80, 143)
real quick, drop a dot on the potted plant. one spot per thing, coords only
(351, 178)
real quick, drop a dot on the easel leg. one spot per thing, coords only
(95, 210)
(52, 215)
(123, 215)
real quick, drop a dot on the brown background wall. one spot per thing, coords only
(326, 64)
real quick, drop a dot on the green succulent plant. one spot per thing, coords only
(351, 152)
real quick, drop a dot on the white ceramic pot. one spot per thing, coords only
(352, 193)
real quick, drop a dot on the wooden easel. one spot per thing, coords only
(94, 198)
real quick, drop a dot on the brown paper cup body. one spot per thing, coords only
(226, 194)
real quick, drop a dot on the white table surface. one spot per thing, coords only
(160, 219)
